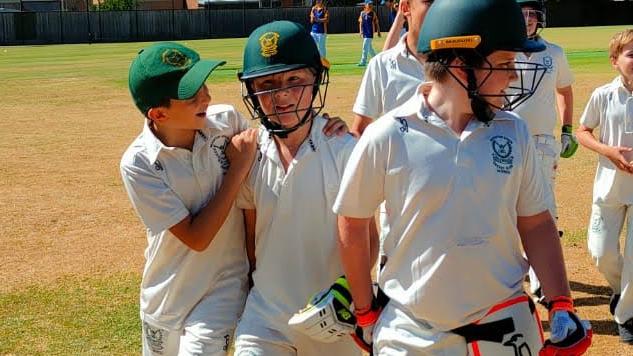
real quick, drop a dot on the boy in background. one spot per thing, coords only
(319, 18)
(367, 26)
(610, 108)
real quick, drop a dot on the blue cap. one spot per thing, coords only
(369, 2)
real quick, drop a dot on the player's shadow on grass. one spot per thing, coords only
(590, 289)
(600, 297)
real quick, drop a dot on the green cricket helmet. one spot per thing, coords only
(277, 47)
(471, 30)
(537, 10)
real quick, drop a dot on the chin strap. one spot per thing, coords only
(282, 132)
(480, 107)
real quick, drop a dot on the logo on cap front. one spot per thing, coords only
(268, 42)
(174, 57)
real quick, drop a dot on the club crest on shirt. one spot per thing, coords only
(218, 145)
(502, 157)
(548, 62)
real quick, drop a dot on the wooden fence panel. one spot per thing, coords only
(156, 25)
(74, 27)
(8, 33)
(113, 26)
(191, 24)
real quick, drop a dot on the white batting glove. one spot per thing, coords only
(327, 317)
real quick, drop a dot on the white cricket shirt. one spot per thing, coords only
(296, 230)
(611, 109)
(390, 80)
(453, 246)
(539, 111)
(165, 184)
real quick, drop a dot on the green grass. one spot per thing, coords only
(72, 317)
(586, 47)
(100, 315)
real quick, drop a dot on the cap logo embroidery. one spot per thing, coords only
(174, 57)
(268, 42)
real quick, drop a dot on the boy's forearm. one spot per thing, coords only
(394, 32)
(541, 243)
(354, 247)
(200, 230)
(587, 139)
(565, 104)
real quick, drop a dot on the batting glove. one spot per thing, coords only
(327, 317)
(569, 335)
(569, 145)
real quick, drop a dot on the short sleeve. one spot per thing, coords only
(564, 76)
(242, 123)
(591, 116)
(362, 185)
(369, 98)
(532, 192)
(158, 206)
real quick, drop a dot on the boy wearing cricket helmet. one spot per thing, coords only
(287, 197)
(461, 178)
(539, 111)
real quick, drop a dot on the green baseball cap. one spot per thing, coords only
(276, 47)
(167, 70)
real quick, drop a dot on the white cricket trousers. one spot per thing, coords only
(368, 51)
(547, 152)
(603, 239)
(397, 333)
(207, 330)
(319, 39)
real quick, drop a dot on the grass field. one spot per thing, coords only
(72, 248)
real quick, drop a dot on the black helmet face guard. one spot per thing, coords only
(529, 76)
(317, 91)
(541, 20)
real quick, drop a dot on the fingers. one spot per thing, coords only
(241, 150)
(335, 126)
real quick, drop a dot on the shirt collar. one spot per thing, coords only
(269, 149)
(417, 106)
(152, 143)
(619, 83)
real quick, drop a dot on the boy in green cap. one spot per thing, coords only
(182, 174)
(288, 196)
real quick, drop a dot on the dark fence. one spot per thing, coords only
(154, 25)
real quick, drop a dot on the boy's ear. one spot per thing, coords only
(157, 114)
(459, 71)
(614, 62)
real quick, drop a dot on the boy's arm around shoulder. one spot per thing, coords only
(198, 231)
